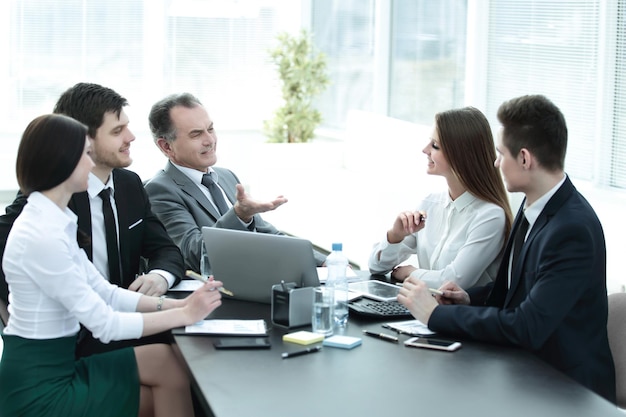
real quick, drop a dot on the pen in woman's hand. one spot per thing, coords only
(435, 292)
(195, 275)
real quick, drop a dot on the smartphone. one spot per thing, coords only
(428, 343)
(242, 343)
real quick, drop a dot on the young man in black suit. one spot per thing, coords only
(550, 293)
(140, 234)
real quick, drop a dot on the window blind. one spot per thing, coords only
(219, 52)
(143, 49)
(618, 137)
(549, 47)
(427, 72)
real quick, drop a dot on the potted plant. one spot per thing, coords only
(302, 72)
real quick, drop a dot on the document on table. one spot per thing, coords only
(410, 327)
(229, 327)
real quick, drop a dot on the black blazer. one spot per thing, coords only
(141, 234)
(556, 306)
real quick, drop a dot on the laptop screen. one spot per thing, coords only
(249, 263)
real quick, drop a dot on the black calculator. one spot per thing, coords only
(381, 309)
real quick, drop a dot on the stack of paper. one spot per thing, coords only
(229, 327)
(343, 342)
(410, 327)
(303, 337)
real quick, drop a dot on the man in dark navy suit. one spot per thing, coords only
(149, 262)
(550, 293)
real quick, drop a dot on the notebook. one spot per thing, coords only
(249, 263)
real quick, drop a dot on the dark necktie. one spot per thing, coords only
(518, 241)
(216, 193)
(110, 230)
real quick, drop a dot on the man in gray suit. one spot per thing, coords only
(190, 192)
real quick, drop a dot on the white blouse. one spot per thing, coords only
(52, 285)
(461, 242)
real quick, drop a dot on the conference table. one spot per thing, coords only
(378, 378)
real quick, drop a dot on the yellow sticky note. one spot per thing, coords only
(303, 337)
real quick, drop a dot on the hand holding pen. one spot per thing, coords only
(199, 277)
(406, 223)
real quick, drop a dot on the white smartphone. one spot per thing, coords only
(429, 343)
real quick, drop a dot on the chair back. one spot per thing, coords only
(617, 340)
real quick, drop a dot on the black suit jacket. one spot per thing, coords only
(141, 237)
(141, 234)
(556, 305)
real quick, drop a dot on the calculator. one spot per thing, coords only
(381, 309)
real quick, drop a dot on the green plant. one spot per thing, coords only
(302, 72)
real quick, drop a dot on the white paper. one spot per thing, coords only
(187, 285)
(229, 327)
(410, 327)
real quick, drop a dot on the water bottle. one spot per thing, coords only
(337, 263)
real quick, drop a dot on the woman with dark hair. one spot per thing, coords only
(457, 235)
(54, 288)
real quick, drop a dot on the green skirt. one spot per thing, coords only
(42, 378)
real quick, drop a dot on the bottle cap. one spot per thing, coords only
(337, 247)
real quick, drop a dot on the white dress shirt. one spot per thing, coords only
(532, 213)
(53, 286)
(98, 234)
(461, 242)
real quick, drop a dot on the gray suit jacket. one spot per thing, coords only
(184, 210)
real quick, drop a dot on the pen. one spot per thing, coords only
(386, 326)
(199, 277)
(383, 336)
(434, 291)
(313, 349)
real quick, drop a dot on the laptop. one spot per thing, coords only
(250, 263)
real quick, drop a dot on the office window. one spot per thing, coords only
(427, 58)
(549, 47)
(421, 42)
(51, 45)
(144, 49)
(220, 54)
(344, 31)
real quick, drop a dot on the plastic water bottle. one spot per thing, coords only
(337, 263)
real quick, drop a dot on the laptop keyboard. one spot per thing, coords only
(379, 308)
